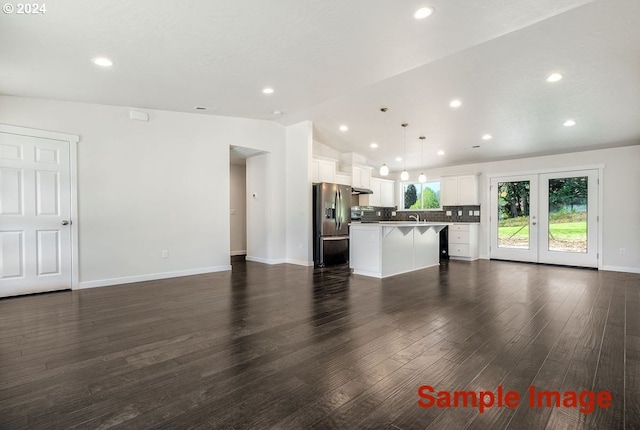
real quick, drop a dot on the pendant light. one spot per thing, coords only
(422, 178)
(404, 176)
(384, 169)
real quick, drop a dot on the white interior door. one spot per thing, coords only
(514, 223)
(35, 214)
(546, 218)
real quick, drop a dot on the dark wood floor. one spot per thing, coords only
(288, 347)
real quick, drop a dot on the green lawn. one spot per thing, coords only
(560, 231)
(563, 236)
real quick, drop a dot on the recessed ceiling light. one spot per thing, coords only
(277, 112)
(267, 90)
(486, 137)
(554, 77)
(455, 103)
(441, 152)
(398, 158)
(423, 12)
(569, 123)
(344, 128)
(102, 62)
(373, 145)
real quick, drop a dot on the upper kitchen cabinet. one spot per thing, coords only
(460, 190)
(343, 178)
(323, 170)
(383, 193)
(360, 176)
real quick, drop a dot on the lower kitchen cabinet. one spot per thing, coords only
(463, 241)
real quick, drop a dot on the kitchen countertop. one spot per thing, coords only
(401, 223)
(410, 223)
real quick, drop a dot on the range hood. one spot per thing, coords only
(357, 190)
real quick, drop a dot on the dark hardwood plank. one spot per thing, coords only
(291, 347)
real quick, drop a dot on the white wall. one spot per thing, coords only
(322, 150)
(144, 187)
(258, 213)
(299, 138)
(621, 197)
(238, 208)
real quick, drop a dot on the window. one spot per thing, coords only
(421, 196)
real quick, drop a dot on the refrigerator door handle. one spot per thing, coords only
(339, 209)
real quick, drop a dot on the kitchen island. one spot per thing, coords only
(389, 248)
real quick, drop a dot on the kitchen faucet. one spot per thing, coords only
(415, 217)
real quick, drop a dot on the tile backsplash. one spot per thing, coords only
(376, 213)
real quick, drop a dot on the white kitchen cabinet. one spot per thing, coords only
(342, 178)
(459, 190)
(463, 241)
(372, 199)
(387, 195)
(360, 176)
(323, 170)
(382, 193)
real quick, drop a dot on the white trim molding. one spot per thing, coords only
(265, 260)
(620, 269)
(152, 277)
(234, 253)
(34, 132)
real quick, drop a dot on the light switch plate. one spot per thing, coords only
(393, 213)
(448, 213)
(470, 213)
(476, 213)
(459, 213)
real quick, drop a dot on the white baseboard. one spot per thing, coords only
(234, 253)
(299, 262)
(621, 269)
(265, 260)
(151, 277)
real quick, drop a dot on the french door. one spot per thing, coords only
(546, 218)
(35, 212)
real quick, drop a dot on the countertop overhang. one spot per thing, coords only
(387, 226)
(401, 223)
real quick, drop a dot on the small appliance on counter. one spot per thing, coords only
(331, 216)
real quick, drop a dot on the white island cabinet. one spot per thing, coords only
(386, 249)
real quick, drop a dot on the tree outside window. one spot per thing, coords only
(421, 196)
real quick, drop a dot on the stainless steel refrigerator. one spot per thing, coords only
(331, 216)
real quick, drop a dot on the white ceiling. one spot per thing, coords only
(338, 62)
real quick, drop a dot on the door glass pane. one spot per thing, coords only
(568, 214)
(513, 214)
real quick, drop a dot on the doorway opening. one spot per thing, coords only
(239, 210)
(546, 218)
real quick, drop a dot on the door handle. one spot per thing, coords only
(65, 222)
(534, 223)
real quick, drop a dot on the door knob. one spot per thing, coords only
(534, 223)
(66, 222)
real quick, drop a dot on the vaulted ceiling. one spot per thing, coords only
(338, 62)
